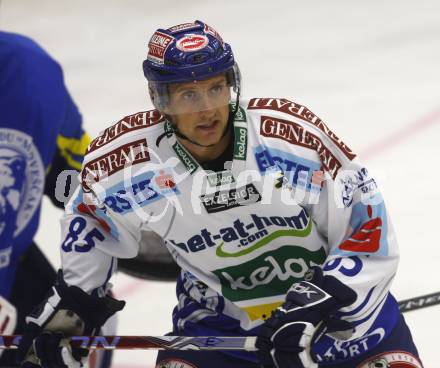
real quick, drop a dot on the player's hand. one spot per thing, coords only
(67, 311)
(285, 339)
(8, 318)
(53, 350)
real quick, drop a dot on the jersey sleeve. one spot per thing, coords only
(345, 204)
(105, 218)
(71, 145)
(72, 140)
(363, 252)
(92, 238)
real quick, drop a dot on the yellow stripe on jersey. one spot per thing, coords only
(262, 311)
(73, 146)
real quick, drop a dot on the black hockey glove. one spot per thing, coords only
(67, 311)
(285, 339)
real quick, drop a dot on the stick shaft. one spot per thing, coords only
(193, 343)
(419, 302)
(150, 342)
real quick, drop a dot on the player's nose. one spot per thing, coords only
(205, 103)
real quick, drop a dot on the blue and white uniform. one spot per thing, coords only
(293, 197)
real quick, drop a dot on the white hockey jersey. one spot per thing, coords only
(294, 196)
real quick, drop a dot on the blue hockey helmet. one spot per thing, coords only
(185, 53)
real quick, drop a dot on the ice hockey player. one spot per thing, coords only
(279, 230)
(41, 136)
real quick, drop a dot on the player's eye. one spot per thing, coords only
(188, 95)
(217, 89)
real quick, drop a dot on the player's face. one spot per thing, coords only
(200, 109)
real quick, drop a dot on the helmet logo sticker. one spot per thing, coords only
(192, 42)
(183, 27)
(214, 33)
(157, 46)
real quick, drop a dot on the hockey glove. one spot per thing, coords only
(67, 311)
(285, 339)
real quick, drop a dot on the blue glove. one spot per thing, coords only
(285, 339)
(67, 311)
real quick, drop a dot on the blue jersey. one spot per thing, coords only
(40, 135)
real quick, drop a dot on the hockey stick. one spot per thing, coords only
(192, 343)
(150, 342)
(419, 302)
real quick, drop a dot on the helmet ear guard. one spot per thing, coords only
(234, 78)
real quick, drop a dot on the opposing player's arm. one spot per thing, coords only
(71, 146)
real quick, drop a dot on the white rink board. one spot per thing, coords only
(368, 69)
